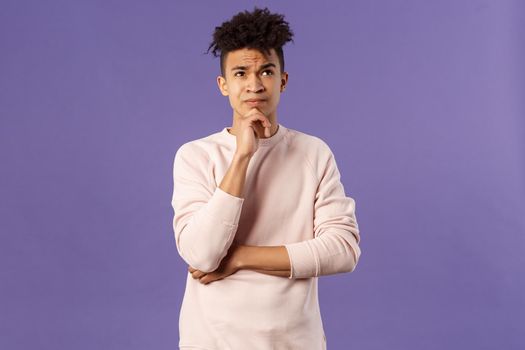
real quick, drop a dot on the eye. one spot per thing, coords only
(235, 74)
(269, 70)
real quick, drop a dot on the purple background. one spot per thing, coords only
(422, 103)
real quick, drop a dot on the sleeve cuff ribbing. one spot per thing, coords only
(301, 258)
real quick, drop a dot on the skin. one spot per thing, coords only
(254, 82)
(260, 78)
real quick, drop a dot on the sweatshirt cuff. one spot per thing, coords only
(303, 261)
(225, 207)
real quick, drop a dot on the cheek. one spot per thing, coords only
(235, 92)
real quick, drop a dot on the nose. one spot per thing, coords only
(254, 84)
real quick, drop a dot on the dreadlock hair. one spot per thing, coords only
(258, 29)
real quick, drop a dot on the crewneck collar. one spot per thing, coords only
(263, 142)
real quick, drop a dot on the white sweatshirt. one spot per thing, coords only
(294, 198)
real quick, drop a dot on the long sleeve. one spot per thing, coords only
(335, 246)
(205, 220)
(294, 198)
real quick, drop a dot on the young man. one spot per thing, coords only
(260, 211)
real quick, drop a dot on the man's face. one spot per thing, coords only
(249, 74)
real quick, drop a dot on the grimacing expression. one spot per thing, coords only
(249, 74)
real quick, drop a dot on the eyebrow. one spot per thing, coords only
(262, 67)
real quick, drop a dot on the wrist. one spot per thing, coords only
(239, 157)
(239, 257)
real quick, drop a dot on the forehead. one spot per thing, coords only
(250, 57)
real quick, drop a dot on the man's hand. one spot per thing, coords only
(247, 139)
(228, 266)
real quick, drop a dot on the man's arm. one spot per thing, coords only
(233, 180)
(271, 260)
(274, 273)
(335, 246)
(205, 222)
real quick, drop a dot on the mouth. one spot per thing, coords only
(254, 102)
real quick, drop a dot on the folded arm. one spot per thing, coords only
(334, 248)
(209, 229)
(270, 260)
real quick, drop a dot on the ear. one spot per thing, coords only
(284, 80)
(223, 85)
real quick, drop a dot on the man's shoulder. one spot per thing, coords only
(200, 145)
(315, 150)
(308, 142)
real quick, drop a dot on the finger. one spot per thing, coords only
(261, 118)
(209, 279)
(256, 114)
(204, 280)
(193, 270)
(198, 274)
